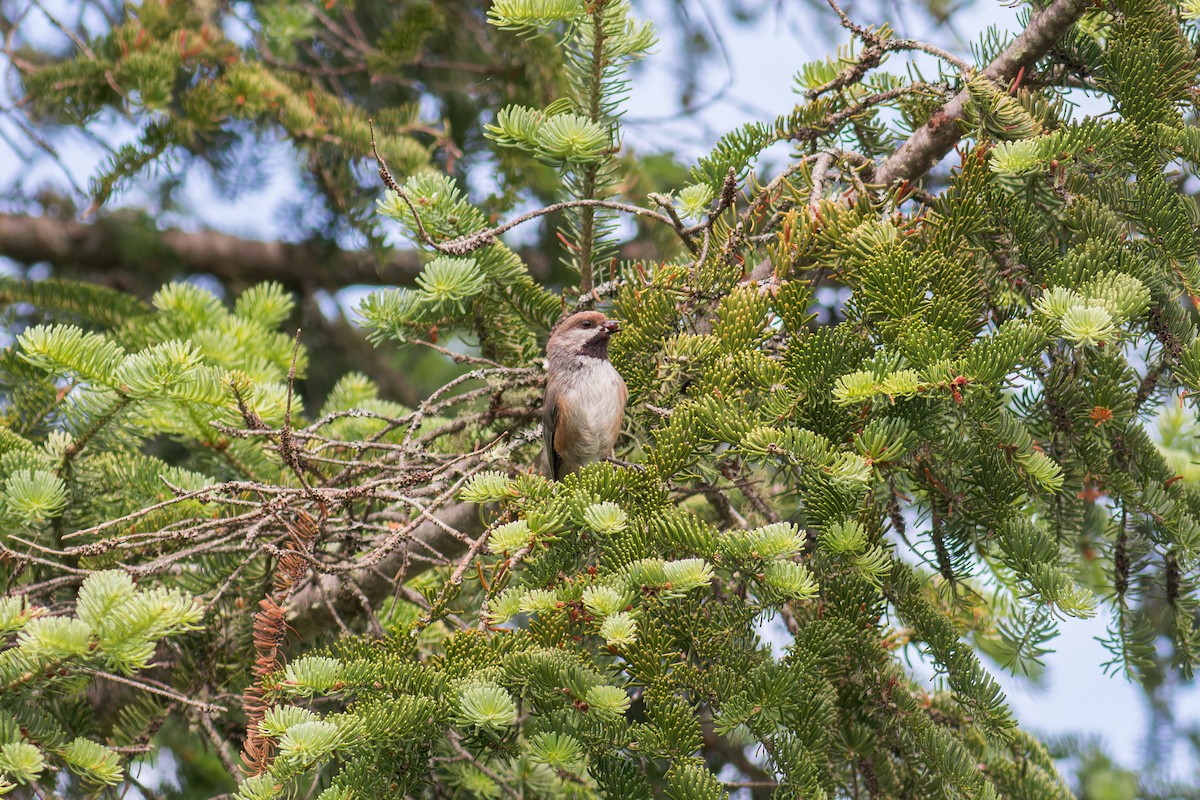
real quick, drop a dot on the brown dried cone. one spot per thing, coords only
(270, 633)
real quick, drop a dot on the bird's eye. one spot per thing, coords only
(589, 324)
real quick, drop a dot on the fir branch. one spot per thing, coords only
(98, 424)
(737, 396)
(591, 172)
(805, 133)
(930, 143)
(467, 244)
(877, 48)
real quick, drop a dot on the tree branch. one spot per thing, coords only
(308, 613)
(930, 143)
(106, 245)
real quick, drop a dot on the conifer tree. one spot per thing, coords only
(366, 599)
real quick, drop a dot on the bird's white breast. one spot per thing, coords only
(599, 389)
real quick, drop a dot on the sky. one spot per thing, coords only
(752, 79)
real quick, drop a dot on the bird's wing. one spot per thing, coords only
(549, 427)
(623, 392)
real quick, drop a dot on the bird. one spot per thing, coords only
(585, 395)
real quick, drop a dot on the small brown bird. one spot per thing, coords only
(585, 396)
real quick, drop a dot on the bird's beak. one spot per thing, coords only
(612, 326)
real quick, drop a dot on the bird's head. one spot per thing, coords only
(584, 333)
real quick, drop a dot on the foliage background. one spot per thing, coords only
(757, 66)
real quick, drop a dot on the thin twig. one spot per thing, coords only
(963, 66)
(457, 358)
(456, 742)
(220, 745)
(664, 202)
(727, 199)
(159, 690)
(373, 623)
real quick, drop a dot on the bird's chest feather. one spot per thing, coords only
(596, 399)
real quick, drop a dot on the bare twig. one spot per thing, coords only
(959, 64)
(457, 358)
(664, 202)
(373, 623)
(154, 688)
(877, 46)
(220, 745)
(287, 449)
(456, 742)
(725, 201)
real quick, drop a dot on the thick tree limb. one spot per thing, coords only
(130, 245)
(113, 243)
(930, 143)
(118, 244)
